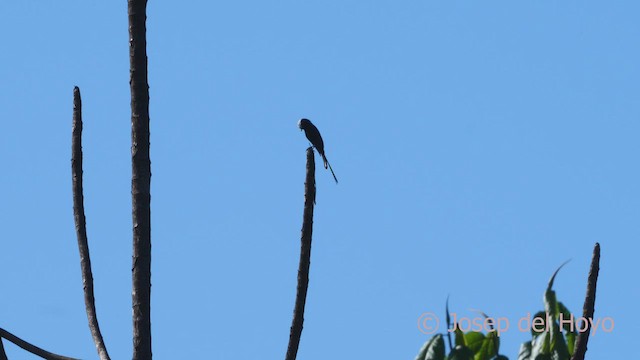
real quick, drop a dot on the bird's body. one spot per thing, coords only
(313, 135)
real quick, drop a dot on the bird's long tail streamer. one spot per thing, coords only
(326, 162)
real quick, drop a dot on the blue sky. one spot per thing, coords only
(478, 146)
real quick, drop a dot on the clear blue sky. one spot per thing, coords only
(478, 146)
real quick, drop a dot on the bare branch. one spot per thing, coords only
(589, 305)
(81, 228)
(30, 347)
(3, 355)
(305, 258)
(140, 180)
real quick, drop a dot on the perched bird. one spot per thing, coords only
(312, 133)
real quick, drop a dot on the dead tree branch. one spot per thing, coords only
(305, 257)
(589, 305)
(3, 354)
(4, 334)
(81, 227)
(140, 180)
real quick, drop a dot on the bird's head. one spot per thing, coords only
(303, 123)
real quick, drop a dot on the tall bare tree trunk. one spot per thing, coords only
(305, 258)
(140, 180)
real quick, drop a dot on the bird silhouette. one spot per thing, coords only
(314, 137)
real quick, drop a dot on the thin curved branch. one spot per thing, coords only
(81, 227)
(589, 305)
(305, 257)
(31, 348)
